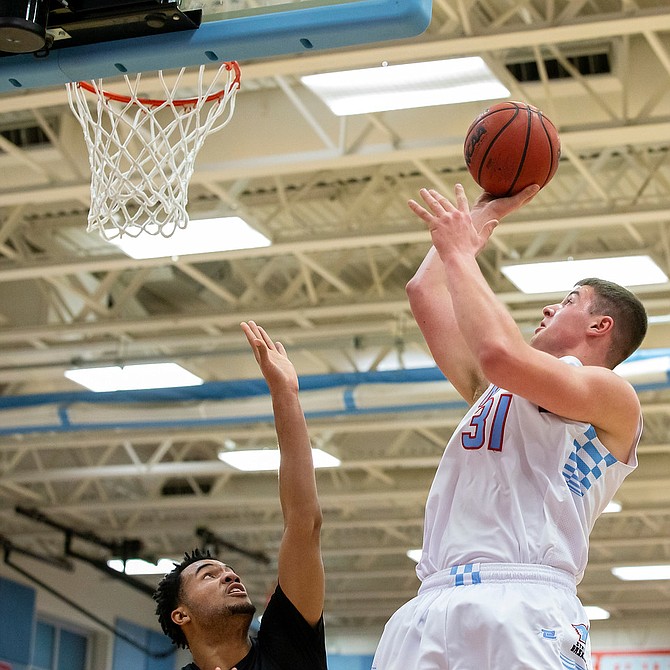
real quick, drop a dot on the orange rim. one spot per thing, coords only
(151, 102)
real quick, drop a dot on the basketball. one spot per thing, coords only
(510, 146)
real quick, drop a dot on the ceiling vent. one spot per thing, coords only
(587, 64)
(28, 136)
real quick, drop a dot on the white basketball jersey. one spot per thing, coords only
(517, 484)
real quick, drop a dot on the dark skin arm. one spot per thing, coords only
(301, 574)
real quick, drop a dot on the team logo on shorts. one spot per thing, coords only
(579, 647)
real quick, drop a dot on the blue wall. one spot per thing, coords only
(17, 604)
(349, 662)
(128, 656)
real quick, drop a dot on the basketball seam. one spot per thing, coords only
(522, 160)
(493, 141)
(551, 147)
(491, 112)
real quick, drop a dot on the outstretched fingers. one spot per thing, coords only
(250, 329)
(261, 343)
(420, 211)
(266, 338)
(461, 199)
(269, 342)
(260, 334)
(258, 340)
(438, 205)
(433, 201)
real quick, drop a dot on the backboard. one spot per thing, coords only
(89, 39)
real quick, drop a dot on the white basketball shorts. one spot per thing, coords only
(489, 617)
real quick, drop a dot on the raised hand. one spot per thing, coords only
(451, 226)
(271, 357)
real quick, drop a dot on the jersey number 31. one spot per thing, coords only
(487, 425)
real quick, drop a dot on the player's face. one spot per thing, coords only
(212, 587)
(564, 324)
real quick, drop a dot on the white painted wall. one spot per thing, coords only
(613, 635)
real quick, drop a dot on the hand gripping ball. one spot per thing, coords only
(510, 146)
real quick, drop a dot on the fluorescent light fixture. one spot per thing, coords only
(256, 460)
(594, 612)
(200, 236)
(414, 554)
(133, 377)
(138, 566)
(389, 87)
(563, 275)
(642, 572)
(396, 360)
(612, 507)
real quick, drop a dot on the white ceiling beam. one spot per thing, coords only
(596, 138)
(106, 263)
(193, 469)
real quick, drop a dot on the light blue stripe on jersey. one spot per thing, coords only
(569, 664)
(587, 463)
(467, 574)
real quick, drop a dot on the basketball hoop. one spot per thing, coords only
(142, 151)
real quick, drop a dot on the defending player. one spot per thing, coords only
(550, 435)
(203, 605)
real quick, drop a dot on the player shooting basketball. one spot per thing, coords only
(203, 604)
(549, 437)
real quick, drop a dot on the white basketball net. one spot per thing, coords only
(142, 151)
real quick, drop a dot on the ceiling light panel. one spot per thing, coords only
(390, 87)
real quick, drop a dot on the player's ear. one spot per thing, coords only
(180, 616)
(601, 325)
